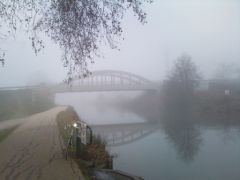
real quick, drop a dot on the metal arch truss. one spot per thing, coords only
(107, 80)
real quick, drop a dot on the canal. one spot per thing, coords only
(147, 145)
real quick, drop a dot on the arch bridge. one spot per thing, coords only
(107, 80)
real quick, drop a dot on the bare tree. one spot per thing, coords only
(2, 56)
(79, 27)
(227, 71)
(178, 90)
(184, 75)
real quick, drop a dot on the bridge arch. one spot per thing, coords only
(107, 80)
(111, 77)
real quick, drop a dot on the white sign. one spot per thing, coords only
(83, 132)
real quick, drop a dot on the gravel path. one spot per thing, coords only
(34, 151)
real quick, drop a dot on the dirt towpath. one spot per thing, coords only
(34, 151)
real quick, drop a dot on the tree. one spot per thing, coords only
(184, 76)
(178, 109)
(227, 71)
(79, 27)
(178, 90)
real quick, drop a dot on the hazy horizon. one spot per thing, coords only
(209, 31)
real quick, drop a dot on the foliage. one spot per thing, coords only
(65, 120)
(178, 91)
(92, 155)
(97, 139)
(79, 27)
(184, 75)
(178, 108)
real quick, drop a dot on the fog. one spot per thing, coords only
(206, 30)
(177, 138)
(164, 105)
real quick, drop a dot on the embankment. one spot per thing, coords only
(21, 103)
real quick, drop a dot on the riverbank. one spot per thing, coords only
(93, 155)
(21, 103)
(205, 108)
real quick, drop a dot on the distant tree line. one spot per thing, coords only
(20, 103)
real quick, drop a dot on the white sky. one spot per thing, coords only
(208, 30)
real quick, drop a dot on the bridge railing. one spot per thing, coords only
(107, 80)
(18, 87)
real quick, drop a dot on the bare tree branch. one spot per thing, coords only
(79, 27)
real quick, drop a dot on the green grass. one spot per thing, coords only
(4, 133)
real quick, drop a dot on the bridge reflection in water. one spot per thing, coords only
(120, 134)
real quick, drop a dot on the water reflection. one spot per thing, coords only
(179, 126)
(176, 119)
(186, 138)
(142, 133)
(125, 133)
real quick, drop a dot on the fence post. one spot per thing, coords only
(110, 162)
(90, 130)
(69, 145)
(75, 134)
(78, 146)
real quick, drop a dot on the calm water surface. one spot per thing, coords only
(155, 151)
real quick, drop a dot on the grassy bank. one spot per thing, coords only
(91, 156)
(21, 103)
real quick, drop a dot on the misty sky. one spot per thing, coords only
(208, 30)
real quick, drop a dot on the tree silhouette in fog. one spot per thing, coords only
(178, 110)
(178, 89)
(79, 27)
(184, 75)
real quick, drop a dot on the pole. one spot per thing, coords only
(78, 146)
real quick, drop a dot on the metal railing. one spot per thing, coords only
(69, 144)
(81, 135)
